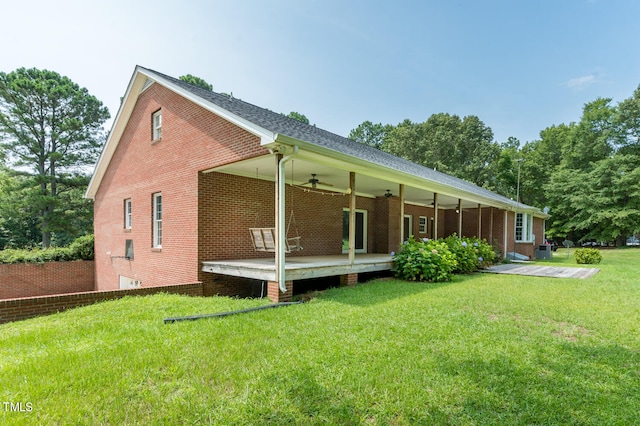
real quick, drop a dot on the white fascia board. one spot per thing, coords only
(136, 84)
(336, 159)
(117, 128)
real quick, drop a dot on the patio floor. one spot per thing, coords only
(542, 271)
(300, 267)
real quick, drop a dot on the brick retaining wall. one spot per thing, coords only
(28, 307)
(42, 279)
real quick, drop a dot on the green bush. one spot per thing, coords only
(424, 260)
(588, 256)
(471, 253)
(80, 249)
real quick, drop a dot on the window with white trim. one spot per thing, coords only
(127, 213)
(361, 231)
(524, 227)
(156, 125)
(422, 225)
(157, 220)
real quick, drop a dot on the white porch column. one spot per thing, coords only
(401, 214)
(435, 216)
(277, 213)
(459, 217)
(281, 229)
(479, 235)
(352, 218)
(505, 233)
(491, 226)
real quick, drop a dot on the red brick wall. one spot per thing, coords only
(496, 230)
(538, 230)
(416, 212)
(19, 309)
(193, 139)
(230, 205)
(33, 279)
(380, 225)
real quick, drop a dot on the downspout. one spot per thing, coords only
(280, 244)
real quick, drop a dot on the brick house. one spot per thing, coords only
(186, 173)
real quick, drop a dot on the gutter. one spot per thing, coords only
(280, 244)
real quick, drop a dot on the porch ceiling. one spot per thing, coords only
(336, 174)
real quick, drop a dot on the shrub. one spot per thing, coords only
(587, 256)
(487, 254)
(471, 253)
(80, 249)
(424, 260)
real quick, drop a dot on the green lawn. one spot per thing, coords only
(483, 349)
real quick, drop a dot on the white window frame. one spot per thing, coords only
(127, 213)
(365, 230)
(157, 220)
(156, 125)
(422, 225)
(524, 228)
(408, 230)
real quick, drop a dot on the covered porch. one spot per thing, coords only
(352, 210)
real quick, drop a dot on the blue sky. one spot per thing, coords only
(519, 65)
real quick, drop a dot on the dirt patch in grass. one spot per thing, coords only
(570, 332)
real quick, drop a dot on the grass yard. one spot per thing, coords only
(483, 349)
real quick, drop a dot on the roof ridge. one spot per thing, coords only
(279, 123)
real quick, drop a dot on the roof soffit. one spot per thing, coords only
(345, 162)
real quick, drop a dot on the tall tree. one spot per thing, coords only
(601, 204)
(594, 191)
(542, 157)
(18, 217)
(407, 140)
(370, 134)
(627, 120)
(51, 131)
(461, 147)
(196, 81)
(504, 178)
(477, 151)
(593, 137)
(298, 116)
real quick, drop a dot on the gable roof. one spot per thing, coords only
(271, 127)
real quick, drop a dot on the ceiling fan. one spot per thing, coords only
(313, 181)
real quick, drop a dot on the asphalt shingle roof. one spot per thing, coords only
(281, 124)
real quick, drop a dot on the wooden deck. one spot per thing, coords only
(542, 271)
(300, 267)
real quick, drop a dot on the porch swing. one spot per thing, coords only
(264, 239)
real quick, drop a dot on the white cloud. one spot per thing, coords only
(580, 83)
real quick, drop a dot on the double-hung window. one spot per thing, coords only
(422, 225)
(524, 227)
(127, 213)
(156, 125)
(157, 220)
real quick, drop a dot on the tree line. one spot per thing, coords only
(587, 173)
